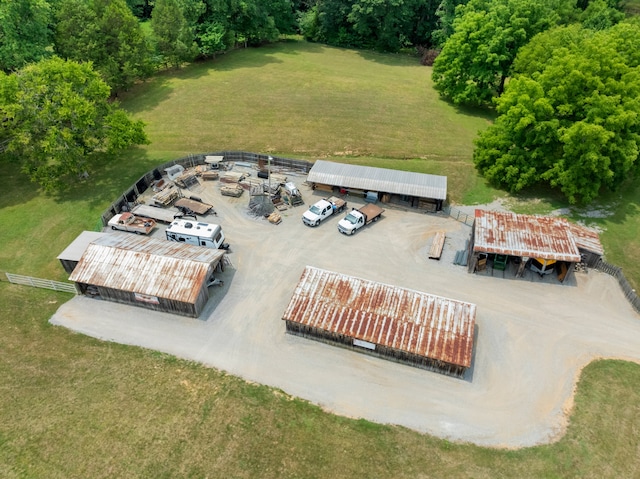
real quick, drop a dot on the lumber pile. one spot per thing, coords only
(234, 190)
(275, 218)
(167, 196)
(438, 244)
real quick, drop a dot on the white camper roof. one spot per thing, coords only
(194, 228)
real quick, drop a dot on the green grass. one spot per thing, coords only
(73, 406)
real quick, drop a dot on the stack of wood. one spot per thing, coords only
(232, 177)
(209, 175)
(234, 190)
(275, 218)
(436, 247)
(167, 196)
(187, 179)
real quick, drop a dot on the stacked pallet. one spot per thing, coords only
(232, 177)
(234, 190)
(167, 196)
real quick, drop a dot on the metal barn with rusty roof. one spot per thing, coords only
(407, 326)
(153, 273)
(543, 244)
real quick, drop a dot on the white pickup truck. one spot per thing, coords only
(357, 218)
(130, 222)
(321, 210)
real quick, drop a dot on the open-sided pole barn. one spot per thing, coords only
(395, 323)
(152, 273)
(416, 189)
(546, 244)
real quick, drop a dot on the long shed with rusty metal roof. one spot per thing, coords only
(417, 189)
(522, 239)
(152, 273)
(404, 325)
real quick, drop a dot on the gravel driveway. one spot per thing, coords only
(533, 337)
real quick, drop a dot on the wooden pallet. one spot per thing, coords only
(438, 244)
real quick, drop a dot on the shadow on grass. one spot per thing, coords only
(16, 186)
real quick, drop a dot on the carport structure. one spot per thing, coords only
(153, 273)
(545, 242)
(417, 189)
(407, 326)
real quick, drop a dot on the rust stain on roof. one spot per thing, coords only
(398, 318)
(524, 235)
(145, 265)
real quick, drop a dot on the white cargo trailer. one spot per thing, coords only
(196, 233)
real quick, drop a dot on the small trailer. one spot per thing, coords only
(159, 214)
(321, 210)
(357, 218)
(190, 205)
(132, 223)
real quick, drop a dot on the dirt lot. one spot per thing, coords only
(533, 336)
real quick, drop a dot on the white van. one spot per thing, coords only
(196, 233)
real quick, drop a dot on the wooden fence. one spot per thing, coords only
(41, 283)
(143, 183)
(627, 289)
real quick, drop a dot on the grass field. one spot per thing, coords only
(73, 406)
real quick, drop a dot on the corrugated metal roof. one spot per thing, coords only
(384, 180)
(148, 266)
(524, 235)
(78, 246)
(398, 318)
(586, 238)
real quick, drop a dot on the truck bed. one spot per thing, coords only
(371, 211)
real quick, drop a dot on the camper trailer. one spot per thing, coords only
(196, 233)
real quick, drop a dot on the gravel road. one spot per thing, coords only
(533, 336)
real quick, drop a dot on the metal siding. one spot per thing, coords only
(524, 235)
(586, 239)
(398, 318)
(385, 180)
(161, 268)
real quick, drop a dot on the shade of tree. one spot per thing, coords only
(476, 59)
(58, 120)
(106, 33)
(24, 32)
(571, 121)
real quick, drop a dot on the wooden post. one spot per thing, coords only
(523, 263)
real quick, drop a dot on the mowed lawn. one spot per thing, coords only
(73, 406)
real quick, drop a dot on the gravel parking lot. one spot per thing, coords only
(533, 336)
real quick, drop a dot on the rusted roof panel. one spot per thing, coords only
(398, 318)
(369, 178)
(524, 235)
(148, 266)
(586, 238)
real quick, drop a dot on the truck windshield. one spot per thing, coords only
(351, 219)
(315, 210)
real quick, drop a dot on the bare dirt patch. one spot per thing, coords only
(533, 337)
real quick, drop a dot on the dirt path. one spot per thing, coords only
(532, 337)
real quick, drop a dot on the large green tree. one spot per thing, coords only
(24, 32)
(58, 119)
(571, 119)
(476, 59)
(175, 37)
(106, 33)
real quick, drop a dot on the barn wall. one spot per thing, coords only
(164, 305)
(403, 357)
(68, 265)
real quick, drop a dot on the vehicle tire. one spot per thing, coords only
(316, 223)
(352, 231)
(114, 228)
(376, 219)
